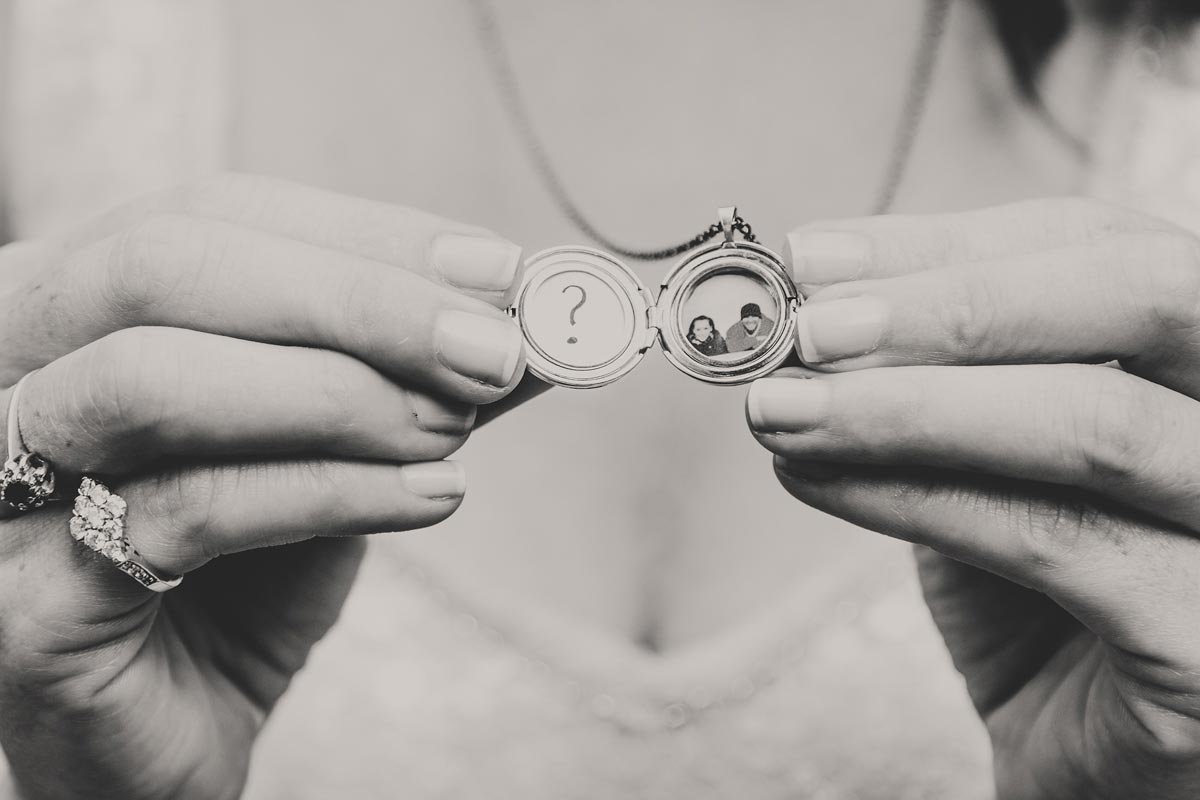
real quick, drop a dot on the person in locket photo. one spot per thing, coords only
(702, 334)
(751, 329)
(258, 303)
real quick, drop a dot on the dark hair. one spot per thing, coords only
(1029, 30)
(692, 326)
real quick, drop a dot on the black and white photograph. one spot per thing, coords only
(623, 400)
(728, 320)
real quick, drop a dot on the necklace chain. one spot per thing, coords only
(740, 225)
(507, 85)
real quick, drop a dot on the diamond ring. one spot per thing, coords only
(99, 522)
(27, 479)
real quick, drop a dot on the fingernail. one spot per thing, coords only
(840, 329)
(435, 480)
(787, 405)
(441, 416)
(475, 262)
(477, 347)
(824, 257)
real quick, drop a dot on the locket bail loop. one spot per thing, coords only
(727, 215)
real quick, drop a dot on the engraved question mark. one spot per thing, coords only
(577, 306)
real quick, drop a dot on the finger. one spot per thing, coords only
(218, 278)
(459, 256)
(1088, 427)
(1132, 581)
(180, 520)
(824, 253)
(183, 519)
(144, 393)
(1131, 297)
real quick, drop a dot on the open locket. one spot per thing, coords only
(725, 314)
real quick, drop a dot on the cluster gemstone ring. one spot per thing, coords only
(98, 521)
(27, 482)
(27, 479)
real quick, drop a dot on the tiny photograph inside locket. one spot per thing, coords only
(729, 316)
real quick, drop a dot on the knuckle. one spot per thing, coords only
(967, 312)
(337, 484)
(175, 516)
(337, 391)
(1107, 428)
(1172, 278)
(903, 421)
(129, 268)
(342, 392)
(154, 259)
(338, 387)
(121, 375)
(359, 306)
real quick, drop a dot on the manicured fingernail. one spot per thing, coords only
(840, 329)
(820, 258)
(436, 479)
(478, 347)
(440, 416)
(787, 405)
(475, 262)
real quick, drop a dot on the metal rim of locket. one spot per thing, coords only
(629, 291)
(727, 258)
(661, 319)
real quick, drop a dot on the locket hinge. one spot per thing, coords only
(653, 326)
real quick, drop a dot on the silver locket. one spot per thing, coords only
(725, 314)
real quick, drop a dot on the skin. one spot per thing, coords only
(163, 695)
(702, 331)
(751, 324)
(1050, 492)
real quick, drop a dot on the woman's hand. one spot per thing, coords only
(960, 397)
(248, 363)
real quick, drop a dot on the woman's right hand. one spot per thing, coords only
(248, 363)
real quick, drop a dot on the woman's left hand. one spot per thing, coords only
(960, 397)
